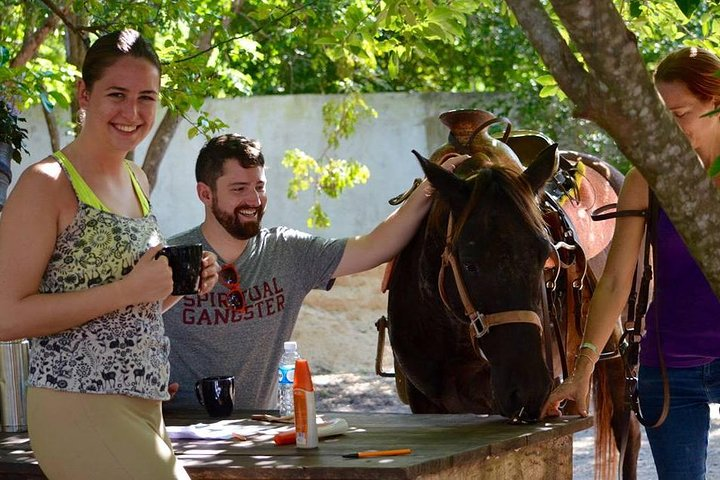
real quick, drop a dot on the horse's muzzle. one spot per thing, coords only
(521, 418)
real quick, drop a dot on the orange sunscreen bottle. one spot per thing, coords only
(306, 430)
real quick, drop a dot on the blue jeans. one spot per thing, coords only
(679, 445)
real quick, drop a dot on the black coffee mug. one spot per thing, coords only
(186, 264)
(216, 394)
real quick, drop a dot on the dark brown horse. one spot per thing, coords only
(480, 319)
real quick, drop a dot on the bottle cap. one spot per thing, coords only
(303, 379)
(290, 346)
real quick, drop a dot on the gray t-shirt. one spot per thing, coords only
(277, 270)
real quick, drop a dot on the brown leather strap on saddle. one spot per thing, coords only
(568, 276)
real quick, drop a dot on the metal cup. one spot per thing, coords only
(13, 385)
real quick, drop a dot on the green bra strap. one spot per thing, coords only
(144, 202)
(87, 196)
(82, 190)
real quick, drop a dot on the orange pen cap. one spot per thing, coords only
(303, 379)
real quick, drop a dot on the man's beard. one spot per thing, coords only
(232, 224)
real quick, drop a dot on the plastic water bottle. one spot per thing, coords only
(286, 376)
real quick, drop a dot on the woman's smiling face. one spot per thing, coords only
(122, 103)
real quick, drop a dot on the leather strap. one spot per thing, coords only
(610, 211)
(643, 299)
(480, 322)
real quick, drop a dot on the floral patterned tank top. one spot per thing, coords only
(122, 352)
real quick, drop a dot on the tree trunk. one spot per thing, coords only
(158, 146)
(168, 125)
(52, 127)
(75, 50)
(29, 49)
(32, 42)
(616, 92)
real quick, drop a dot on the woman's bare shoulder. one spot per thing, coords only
(42, 184)
(45, 172)
(634, 194)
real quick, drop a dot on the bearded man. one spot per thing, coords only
(240, 326)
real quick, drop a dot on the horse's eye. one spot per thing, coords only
(470, 267)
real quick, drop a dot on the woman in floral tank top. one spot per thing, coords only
(78, 276)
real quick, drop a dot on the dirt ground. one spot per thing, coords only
(336, 332)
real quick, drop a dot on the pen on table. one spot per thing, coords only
(379, 453)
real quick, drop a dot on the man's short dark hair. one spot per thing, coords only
(211, 159)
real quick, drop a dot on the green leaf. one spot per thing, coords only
(393, 65)
(714, 169)
(60, 99)
(687, 7)
(546, 80)
(549, 91)
(318, 218)
(408, 15)
(4, 55)
(46, 103)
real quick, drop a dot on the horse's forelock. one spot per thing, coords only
(512, 186)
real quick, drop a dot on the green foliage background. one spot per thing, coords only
(225, 48)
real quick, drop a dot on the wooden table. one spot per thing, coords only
(443, 446)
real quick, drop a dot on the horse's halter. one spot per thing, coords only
(479, 322)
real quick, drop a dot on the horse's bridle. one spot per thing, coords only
(479, 322)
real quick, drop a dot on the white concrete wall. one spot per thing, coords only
(405, 122)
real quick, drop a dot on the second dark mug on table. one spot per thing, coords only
(217, 395)
(186, 264)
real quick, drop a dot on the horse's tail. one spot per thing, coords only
(606, 455)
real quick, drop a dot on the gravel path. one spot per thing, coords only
(359, 392)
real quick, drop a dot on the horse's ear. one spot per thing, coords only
(451, 188)
(542, 168)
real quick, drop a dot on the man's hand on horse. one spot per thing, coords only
(449, 162)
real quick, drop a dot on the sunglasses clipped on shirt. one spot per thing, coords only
(230, 279)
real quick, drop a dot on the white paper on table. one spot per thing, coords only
(221, 430)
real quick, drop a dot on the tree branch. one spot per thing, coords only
(166, 130)
(628, 107)
(62, 14)
(52, 127)
(32, 43)
(569, 73)
(246, 34)
(158, 146)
